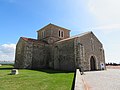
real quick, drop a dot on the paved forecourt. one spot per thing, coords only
(102, 80)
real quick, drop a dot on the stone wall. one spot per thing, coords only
(91, 47)
(28, 53)
(40, 57)
(23, 57)
(19, 56)
(64, 58)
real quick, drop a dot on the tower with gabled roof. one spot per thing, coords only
(52, 33)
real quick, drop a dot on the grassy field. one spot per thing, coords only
(34, 80)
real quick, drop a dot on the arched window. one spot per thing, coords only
(92, 44)
(61, 33)
(43, 34)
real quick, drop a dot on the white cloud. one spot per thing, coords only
(106, 13)
(105, 10)
(107, 28)
(7, 51)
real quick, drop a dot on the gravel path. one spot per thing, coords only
(102, 80)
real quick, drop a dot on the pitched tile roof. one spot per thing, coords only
(33, 40)
(28, 39)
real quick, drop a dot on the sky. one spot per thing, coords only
(24, 17)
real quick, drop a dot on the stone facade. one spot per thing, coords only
(54, 48)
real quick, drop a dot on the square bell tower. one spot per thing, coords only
(52, 33)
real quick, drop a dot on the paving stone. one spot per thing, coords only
(103, 80)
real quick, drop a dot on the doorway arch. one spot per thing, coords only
(92, 64)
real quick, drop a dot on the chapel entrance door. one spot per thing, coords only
(92, 63)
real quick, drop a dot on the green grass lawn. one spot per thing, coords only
(34, 80)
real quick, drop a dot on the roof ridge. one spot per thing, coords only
(79, 35)
(28, 38)
(53, 25)
(84, 33)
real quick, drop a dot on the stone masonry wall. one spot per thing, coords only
(19, 56)
(39, 58)
(92, 47)
(28, 53)
(64, 55)
(23, 56)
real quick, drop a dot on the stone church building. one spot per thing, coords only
(55, 49)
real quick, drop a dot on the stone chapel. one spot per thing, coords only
(55, 49)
